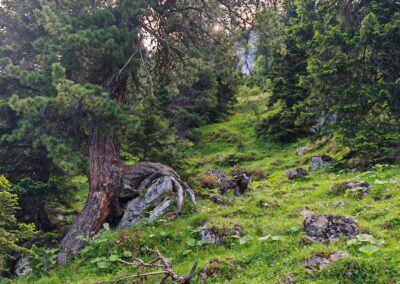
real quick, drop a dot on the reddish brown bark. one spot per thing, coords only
(109, 181)
(105, 178)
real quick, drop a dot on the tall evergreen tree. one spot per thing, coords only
(353, 66)
(67, 81)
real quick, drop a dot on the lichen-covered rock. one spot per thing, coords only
(320, 161)
(212, 237)
(319, 261)
(236, 231)
(301, 151)
(330, 228)
(297, 173)
(361, 189)
(154, 203)
(22, 267)
(288, 279)
(306, 212)
(210, 269)
(339, 203)
(357, 189)
(218, 199)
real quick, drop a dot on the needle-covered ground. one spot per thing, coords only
(272, 244)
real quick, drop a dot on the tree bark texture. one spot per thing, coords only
(105, 178)
(111, 184)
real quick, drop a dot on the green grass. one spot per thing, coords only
(260, 261)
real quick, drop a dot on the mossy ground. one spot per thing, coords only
(256, 261)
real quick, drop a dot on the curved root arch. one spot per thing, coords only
(142, 176)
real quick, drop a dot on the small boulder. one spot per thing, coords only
(361, 188)
(357, 189)
(330, 228)
(301, 151)
(211, 237)
(210, 269)
(297, 173)
(319, 261)
(339, 203)
(22, 267)
(306, 212)
(218, 199)
(288, 279)
(236, 231)
(319, 162)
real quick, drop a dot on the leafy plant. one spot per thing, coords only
(366, 244)
(42, 260)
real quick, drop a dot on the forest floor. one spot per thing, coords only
(273, 243)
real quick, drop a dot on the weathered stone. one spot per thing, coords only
(22, 267)
(210, 269)
(297, 173)
(211, 237)
(220, 175)
(339, 203)
(238, 183)
(288, 279)
(319, 261)
(360, 188)
(156, 197)
(236, 231)
(330, 228)
(218, 199)
(306, 212)
(301, 151)
(319, 162)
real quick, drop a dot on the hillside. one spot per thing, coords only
(272, 244)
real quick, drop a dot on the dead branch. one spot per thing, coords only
(160, 262)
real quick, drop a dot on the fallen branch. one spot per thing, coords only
(159, 262)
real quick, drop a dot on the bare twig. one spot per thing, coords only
(159, 262)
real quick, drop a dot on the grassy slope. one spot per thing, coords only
(261, 261)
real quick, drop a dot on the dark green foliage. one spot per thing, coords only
(353, 73)
(236, 159)
(285, 61)
(334, 67)
(201, 92)
(11, 232)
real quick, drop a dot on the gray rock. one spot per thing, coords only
(288, 279)
(210, 269)
(330, 228)
(319, 162)
(306, 212)
(301, 151)
(297, 173)
(247, 53)
(360, 188)
(156, 197)
(339, 203)
(218, 199)
(22, 267)
(319, 261)
(211, 237)
(236, 231)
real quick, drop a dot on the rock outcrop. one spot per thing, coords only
(319, 261)
(22, 267)
(297, 173)
(330, 228)
(211, 236)
(320, 161)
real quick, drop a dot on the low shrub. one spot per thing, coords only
(256, 173)
(208, 181)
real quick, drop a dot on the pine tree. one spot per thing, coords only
(353, 73)
(67, 82)
(11, 232)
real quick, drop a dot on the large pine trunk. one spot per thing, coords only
(105, 179)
